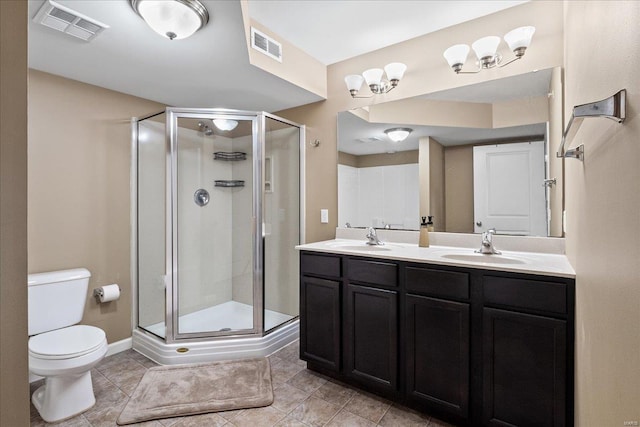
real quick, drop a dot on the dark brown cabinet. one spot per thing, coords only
(471, 346)
(437, 354)
(371, 337)
(524, 369)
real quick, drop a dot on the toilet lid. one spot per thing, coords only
(66, 343)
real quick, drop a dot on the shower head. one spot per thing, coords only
(206, 129)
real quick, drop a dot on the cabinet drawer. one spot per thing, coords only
(526, 293)
(323, 265)
(373, 272)
(440, 283)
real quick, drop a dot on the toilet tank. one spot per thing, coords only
(56, 299)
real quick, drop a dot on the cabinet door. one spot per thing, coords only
(437, 357)
(524, 369)
(320, 322)
(371, 342)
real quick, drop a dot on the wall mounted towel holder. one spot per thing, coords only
(613, 108)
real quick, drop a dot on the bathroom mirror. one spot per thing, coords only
(388, 184)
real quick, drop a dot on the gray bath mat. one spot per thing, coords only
(172, 391)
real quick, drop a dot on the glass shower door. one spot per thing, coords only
(213, 218)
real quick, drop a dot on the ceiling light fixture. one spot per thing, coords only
(373, 77)
(173, 19)
(398, 134)
(225, 124)
(486, 50)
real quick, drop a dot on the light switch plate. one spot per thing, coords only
(324, 216)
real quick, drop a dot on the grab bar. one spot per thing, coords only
(613, 108)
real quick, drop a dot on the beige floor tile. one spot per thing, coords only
(315, 412)
(286, 397)
(307, 380)
(334, 393)
(230, 415)
(290, 352)
(282, 371)
(289, 421)
(258, 417)
(399, 416)
(368, 406)
(347, 419)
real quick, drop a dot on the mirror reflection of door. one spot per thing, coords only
(509, 191)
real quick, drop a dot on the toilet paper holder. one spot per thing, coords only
(100, 292)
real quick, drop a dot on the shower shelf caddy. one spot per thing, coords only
(232, 156)
(229, 183)
(613, 108)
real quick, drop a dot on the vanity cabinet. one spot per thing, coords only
(471, 346)
(437, 356)
(371, 324)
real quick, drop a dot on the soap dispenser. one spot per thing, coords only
(430, 224)
(424, 233)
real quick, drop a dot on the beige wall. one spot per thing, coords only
(602, 45)
(79, 188)
(382, 159)
(14, 370)
(427, 72)
(458, 178)
(436, 185)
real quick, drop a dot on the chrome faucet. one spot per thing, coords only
(373, 237)
(487, 243)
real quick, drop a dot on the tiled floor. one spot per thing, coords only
(301, 398)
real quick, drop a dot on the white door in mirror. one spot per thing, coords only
(509, 194)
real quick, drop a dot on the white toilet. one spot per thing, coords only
(60, 350)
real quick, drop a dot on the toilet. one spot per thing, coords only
(59, 349)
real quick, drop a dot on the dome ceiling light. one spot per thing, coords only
(398, 134)
(173, 19)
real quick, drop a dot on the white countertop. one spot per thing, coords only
(517, 262)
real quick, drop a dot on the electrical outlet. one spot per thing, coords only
(324, 216)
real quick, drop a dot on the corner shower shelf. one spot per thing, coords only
(229, 183)
(232, 156)
(613, 108)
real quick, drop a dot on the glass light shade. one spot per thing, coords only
(373, 76)
(395, 70)
(170, 18)
(486, 46)
(354, 82)
(520, 37)
(456, 54)
(398, 134)
(225, 124)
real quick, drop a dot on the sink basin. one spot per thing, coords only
(351, 246)
(486, 259)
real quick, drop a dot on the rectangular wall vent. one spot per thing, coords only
(68, 21)
(265, 44)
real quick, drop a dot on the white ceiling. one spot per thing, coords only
(211, 68)
(335, 30)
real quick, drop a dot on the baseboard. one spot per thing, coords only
(119, 346)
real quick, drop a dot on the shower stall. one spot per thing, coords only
(218, 198)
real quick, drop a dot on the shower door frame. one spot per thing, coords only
(172, 334)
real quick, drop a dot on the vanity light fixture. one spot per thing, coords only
(398, 134)
(486, 50)
(173, 19)
(374, 78)
(225, 124)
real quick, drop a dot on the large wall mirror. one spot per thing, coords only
(477, 157)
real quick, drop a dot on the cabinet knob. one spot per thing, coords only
(479, 223)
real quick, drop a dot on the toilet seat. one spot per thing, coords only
(66, 343)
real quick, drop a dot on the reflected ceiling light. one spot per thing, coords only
(375, 81)
(486, 50)
(398, 134)
(173, 19)
(225, 124)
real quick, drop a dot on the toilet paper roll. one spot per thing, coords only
(108, 293)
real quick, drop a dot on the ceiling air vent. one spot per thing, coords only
(265, 44)
(68, 21)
